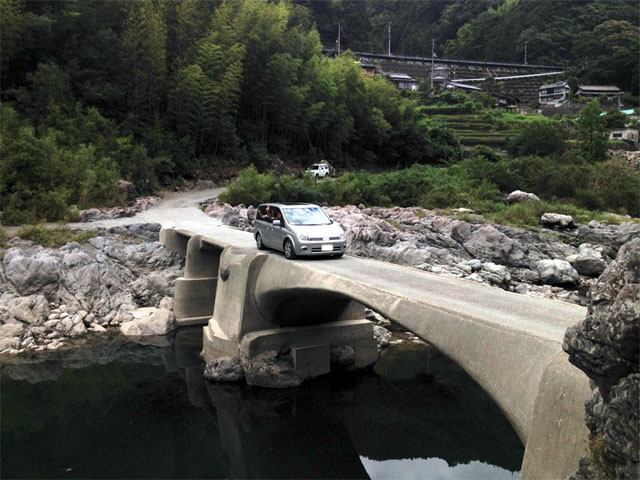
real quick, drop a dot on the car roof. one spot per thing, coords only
(288, 204)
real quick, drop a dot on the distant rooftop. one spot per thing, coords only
(599, 88)
(552, 85)
(399, 76)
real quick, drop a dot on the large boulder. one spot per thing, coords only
(489, 244)
(518, 196)
(588, 261)
(558, 221)
(149, 321)
(557, 272)
(606, 346)
(31, 310)
(29, 274)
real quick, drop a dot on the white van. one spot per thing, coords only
(319, 170)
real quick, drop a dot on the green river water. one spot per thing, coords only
(116, 409)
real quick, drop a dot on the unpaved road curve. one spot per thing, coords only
(176, 209)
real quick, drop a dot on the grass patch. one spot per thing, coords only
(527, 214)
(53, 237)
(394, 224)
(4, 237)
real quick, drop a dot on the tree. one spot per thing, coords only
(615, 119)
(593, 132)
(143, 47)
(540, 138)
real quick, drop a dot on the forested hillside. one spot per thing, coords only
(596, 39)
(154, 90)
(151, 89)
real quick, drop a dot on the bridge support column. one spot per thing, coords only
(246, 324)
(235, 312)
(194, 295)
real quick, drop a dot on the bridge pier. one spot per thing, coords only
(195, 293)
(240, 326)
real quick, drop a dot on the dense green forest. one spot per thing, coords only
(152, 90)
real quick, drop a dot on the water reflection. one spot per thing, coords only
(416, 416)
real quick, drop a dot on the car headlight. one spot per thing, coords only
(341, 236)
(303, 237)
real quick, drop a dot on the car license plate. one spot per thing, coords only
(327, 248)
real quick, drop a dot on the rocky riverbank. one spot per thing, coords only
(49, 296)
(560, 261)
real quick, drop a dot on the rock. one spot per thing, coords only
(375, 317)
(224, 369)
(558, 221)
(382, 336)
(166, 303)
(270, 369)
(489, 244)
(97, 328)
(90, 215)
(149, 321)
(615, 430)
(588, 261)
(557, 272)
(32, 310)
(496, 274)
(10, 330)
(39, 273)
(251, 214)
(606, 346)
(11, 343)
(518, 196)
(475, 264)
(343, 356)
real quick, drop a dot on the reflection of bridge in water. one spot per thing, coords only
(510, 344)
(323, 428)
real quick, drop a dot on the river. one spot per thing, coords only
(114, 409)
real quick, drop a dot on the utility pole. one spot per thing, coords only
(525, 52)
(338, 39)
(389, 38)
(433, 54)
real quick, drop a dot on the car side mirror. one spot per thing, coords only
(276, 223)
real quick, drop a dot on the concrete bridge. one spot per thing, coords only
(510, 344)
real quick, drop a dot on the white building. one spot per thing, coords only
(554, 94)
(628, 134)
(402, 81)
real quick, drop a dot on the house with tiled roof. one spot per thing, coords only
(553, 94)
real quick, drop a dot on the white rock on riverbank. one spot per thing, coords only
(49, 296)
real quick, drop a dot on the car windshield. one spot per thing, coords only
(306, 216)
(314, 167)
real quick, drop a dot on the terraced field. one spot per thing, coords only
(483, 128)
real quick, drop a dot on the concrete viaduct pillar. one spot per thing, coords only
(195, 293)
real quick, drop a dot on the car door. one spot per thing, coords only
(263, 225)
(277, 233)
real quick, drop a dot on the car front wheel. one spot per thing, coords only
(259, 243)
(289, 252)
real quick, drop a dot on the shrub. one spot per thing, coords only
(53, 237)
(541, 138)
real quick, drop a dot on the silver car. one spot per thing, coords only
(298, 229)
